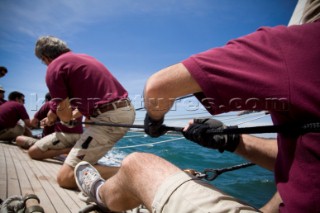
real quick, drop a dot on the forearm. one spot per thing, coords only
(260, 151)
(76, 114)
(273, 205)
(34, 123)
(51, 117)
(27, 123)
(64, 110)
(165, 86)
(157, 101)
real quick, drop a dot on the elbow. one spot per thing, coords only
(150, 88)
(153, 88)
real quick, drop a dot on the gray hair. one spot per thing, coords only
(311, 11)
(50, 47)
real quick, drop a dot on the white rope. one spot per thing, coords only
(241, 117)
(145, 144)
(149, 144)
(113, 159)
(132, 136)
(253, 119)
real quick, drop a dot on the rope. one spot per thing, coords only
(253, 119)
(290, 128)
(14, 203)
(132, 136)
(212, 174)
(149, 144)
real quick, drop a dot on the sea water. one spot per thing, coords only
(253, 185)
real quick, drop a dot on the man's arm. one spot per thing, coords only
(27, 131)
(273, 205)
(27, 123)
(260, 151)
(51, 117)
(76, 114)
(64, 110)
(163, 87)
(34, 123)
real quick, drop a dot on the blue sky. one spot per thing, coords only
(132, 38)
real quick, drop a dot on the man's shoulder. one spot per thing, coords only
(72, 55)
(12, 103)
(12, 106)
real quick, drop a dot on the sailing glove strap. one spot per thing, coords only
(200, 133)
(154, 128)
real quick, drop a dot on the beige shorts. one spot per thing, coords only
(96, 141)
(12, 133)
(57, 140)
(184, 193)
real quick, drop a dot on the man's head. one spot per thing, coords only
(3, 71)
(47, 97)
(16, 96)
(48, 48)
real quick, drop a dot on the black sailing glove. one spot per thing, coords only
(199, 132)
(154, 128)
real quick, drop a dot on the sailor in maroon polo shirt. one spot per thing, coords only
(81, 85)
(56, 138)
(10, 113)
(25, 141)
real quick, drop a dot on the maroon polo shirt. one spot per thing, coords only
(274, 69)
(84, 80)
(10, 113)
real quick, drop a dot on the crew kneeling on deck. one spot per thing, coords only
(14, 119)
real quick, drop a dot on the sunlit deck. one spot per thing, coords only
(21, 175)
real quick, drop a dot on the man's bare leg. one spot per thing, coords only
(136, 182)
(37, 154)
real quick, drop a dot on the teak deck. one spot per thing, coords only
(20, 175)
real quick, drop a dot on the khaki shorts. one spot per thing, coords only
(57, 140)
(12, 133)
(184, 193)
(96, 141)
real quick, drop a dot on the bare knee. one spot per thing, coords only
(20, 141)
(147, 165)
(66, 178)
(135, 160)
(35, 153)
(129, 184)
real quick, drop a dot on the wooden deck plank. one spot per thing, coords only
(37, 189)
(48, 181)
(13, 182)
(25, 185)
(3, 176)
(38, 177)
(70, 196)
